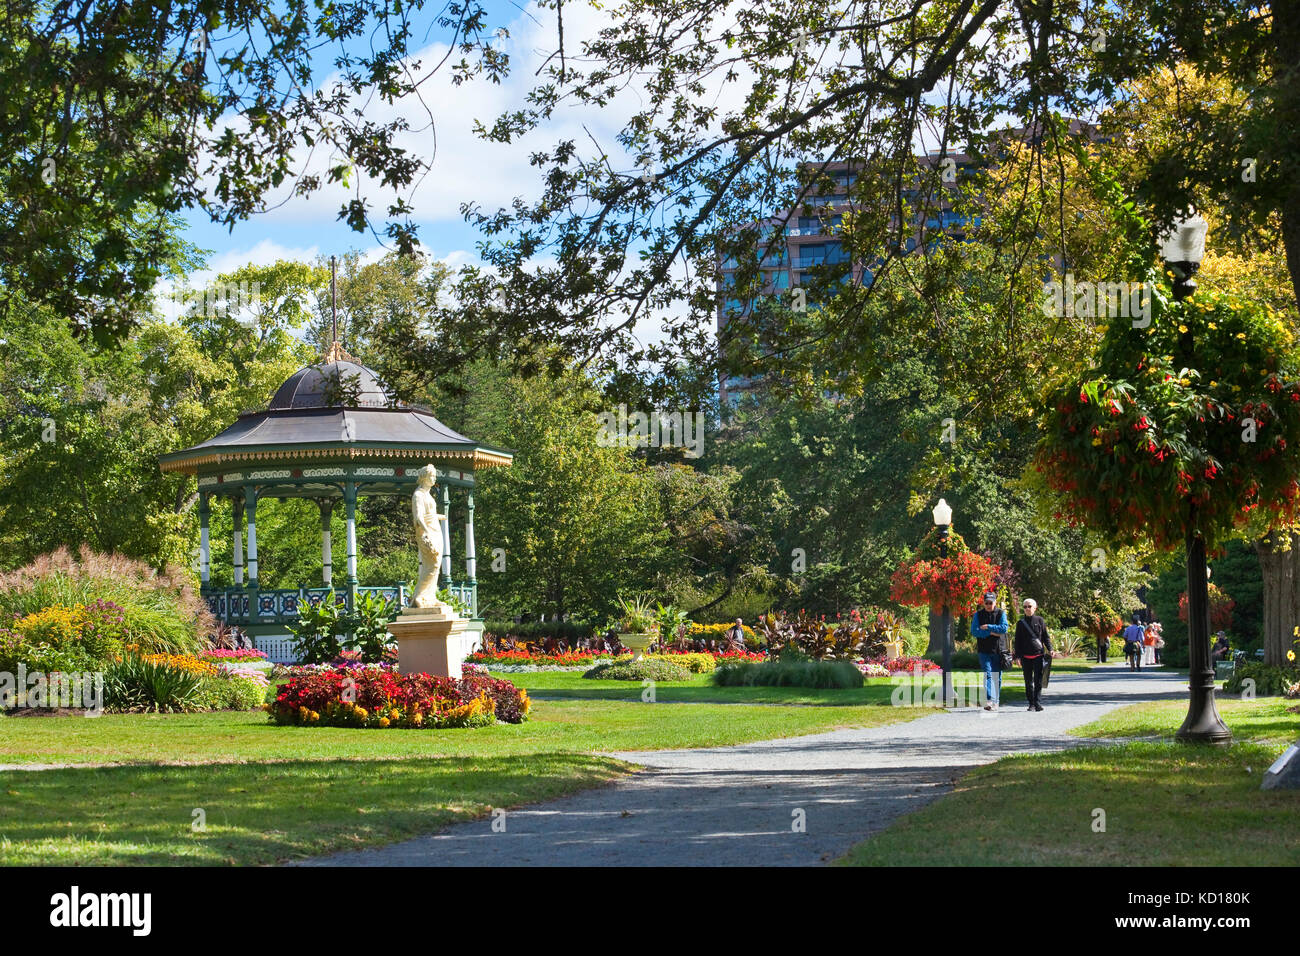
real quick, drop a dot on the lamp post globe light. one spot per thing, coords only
(1183, 248)
(942, 514)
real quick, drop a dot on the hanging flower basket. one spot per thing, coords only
(957, 580)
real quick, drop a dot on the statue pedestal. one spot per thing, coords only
(430, 640)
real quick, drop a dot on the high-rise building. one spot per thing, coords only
(808, 235)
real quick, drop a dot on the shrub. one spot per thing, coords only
(64, 638)
(789, 672)
(377, 698)
(234, 690)
(1069, 643)
(1269, 681)
(318, 630)
(161, 611)
(648, 668)
(695, 663)
(367, 627)
(537, 630)
(718, 632)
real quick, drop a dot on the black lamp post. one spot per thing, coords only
(1183, 248)
(943, 521)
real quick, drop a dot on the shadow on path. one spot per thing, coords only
(790, 802)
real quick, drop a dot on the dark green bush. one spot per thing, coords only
(233, 691)
(787, 672)
(645, 669)
(1269, 681)
(961, 660)
(538, 630)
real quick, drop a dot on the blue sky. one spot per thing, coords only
(464, 167)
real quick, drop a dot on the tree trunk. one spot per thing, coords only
(1279, 562)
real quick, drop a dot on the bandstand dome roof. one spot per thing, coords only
(309, 386)
(331, 417)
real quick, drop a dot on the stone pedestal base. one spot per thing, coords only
(430, 640)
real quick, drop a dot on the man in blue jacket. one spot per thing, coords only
(989, 628)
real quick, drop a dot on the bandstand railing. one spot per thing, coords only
(282, 606)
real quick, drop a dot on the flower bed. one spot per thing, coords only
(366, 697)
(179, 683)
(566, 659)
(524, 662)
(904, 664)
(872, 669)
(229, 656)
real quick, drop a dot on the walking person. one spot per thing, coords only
(1133, 635)
(1103, 645)
(989, 627)
(1033, 648)
(1149, 646)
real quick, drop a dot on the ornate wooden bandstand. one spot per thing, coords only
(332, 434)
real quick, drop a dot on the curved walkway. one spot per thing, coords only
(741, 806)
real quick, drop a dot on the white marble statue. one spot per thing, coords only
(428, 537)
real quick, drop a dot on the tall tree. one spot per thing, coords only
(222, 107)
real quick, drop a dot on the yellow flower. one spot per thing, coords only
(1182, 328)
(1241, 336)
(384, 721)
(1290, 655)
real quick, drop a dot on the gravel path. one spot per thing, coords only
(739, 806)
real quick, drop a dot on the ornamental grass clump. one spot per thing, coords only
(161, 611)
(789, 671)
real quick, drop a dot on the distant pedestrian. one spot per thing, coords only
(1160, 641)
(1103, 645)
(735, 636)
(1033, 649)
(989, 628)
(1149, 646)
(1133, 635)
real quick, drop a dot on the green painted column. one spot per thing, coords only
(205, 552)
(250, 512)
(237, 514)
(471, 561)
(350, 504)
(446, 537)
(326, 543)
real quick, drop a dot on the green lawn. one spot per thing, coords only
(265, 812)
(1165, 803)
(556, 726)
(272, 793)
